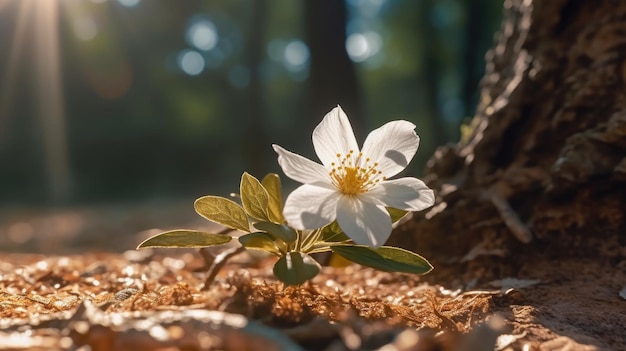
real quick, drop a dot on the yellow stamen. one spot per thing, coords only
(352, 177)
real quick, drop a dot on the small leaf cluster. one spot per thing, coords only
(260, 218)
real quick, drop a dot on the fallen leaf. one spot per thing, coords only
(505, 340)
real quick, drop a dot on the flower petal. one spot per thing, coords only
(334, 135)
(311, 206)
(365, 223)
(300, 168)
(409, 194)
(393, 146)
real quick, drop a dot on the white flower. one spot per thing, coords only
(352, 186)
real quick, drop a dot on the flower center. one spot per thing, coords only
(353, 175)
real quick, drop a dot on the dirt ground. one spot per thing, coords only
(82, 287)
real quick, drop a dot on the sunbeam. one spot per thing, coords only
(50, 97)
(38, 25)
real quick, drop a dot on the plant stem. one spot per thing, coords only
(299, 240)
(307, 242)
(218, 263)
(214, 264)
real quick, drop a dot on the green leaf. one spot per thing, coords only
(279, 231)
(185, 238)
(259, 241)
(222, 211)
(254, 197)
(296, 268)
(271, 183)
(333, 233)
(396, 214)
(385, 258)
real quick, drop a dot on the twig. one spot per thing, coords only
(207, 256)
(219, 262)
(510, 218)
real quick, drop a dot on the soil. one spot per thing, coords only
(93, 293)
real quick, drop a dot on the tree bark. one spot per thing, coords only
(543, 167)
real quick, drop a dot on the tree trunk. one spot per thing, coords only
(256, 118)
(541, 170)
(332, 75)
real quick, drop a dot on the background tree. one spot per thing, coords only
(173, 100)
(544, 157)
(257, 119)
(333, 77)
(536, 186)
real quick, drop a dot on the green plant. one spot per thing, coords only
(347, 205)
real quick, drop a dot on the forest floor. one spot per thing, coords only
(82, 286)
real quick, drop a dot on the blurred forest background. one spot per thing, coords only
(133, 100)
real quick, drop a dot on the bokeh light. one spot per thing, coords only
(129, 3)
(368, 8)
(296, 55)
(211, 59)
(85, 28)
(202, 34)
(361, 46)
(191, 62)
